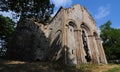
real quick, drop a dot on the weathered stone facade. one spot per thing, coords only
(71, 37)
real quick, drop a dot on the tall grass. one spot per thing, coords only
(86, 67)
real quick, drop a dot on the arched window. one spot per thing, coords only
(72, 24)
(85, 42)
(71, 35)
(71, 43)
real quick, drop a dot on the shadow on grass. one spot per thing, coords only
(22, 66)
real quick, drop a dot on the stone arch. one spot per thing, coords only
(71, 43)
(86, 28)
(58, 31)
(72, 23)
(71, 27)
(53, 35)
(86, 46)
(56, 46)
(58, 35)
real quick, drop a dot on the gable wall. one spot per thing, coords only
(89, 21)
(55, 35)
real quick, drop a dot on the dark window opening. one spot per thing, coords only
(87, 57)
(72, 52)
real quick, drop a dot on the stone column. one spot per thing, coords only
(102, 56)
(70, 54)
(93, 49)
(79, 47)
(96, 50)
(78, 56)
(65, 43)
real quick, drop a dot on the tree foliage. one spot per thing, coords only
(6, 30)
(6, 27)
(111, 41)
(38, 9)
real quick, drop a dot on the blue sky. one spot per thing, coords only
(101, 10)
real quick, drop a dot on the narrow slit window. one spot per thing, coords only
(72, 52)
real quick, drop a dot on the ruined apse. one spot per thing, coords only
(74, 37)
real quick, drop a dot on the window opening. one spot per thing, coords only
(85, 45)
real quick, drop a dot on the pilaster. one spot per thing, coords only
(79, 47)
(94, 50)
(101, 51)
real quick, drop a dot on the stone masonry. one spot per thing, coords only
(71, 37)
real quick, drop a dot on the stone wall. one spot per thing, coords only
(28, 42)
(71, 37)
(55, 36)
(77, 20)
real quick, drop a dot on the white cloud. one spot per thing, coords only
(63, 3)
(103, 11)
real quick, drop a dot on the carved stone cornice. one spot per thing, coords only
(90, 36)
(77, 30)
(98, 38)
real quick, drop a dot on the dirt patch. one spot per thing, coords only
(15, 62)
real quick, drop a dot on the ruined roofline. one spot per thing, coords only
(60, 10)
(56, 14)
(84, 8)
(72, 6)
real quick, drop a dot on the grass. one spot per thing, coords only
(115, 69)
(88, 67)
(22, 66)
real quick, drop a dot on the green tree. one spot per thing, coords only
(6, 31)
(111, 41)
(38, 9)
(6, 27)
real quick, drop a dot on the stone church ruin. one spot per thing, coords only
(71, 37)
